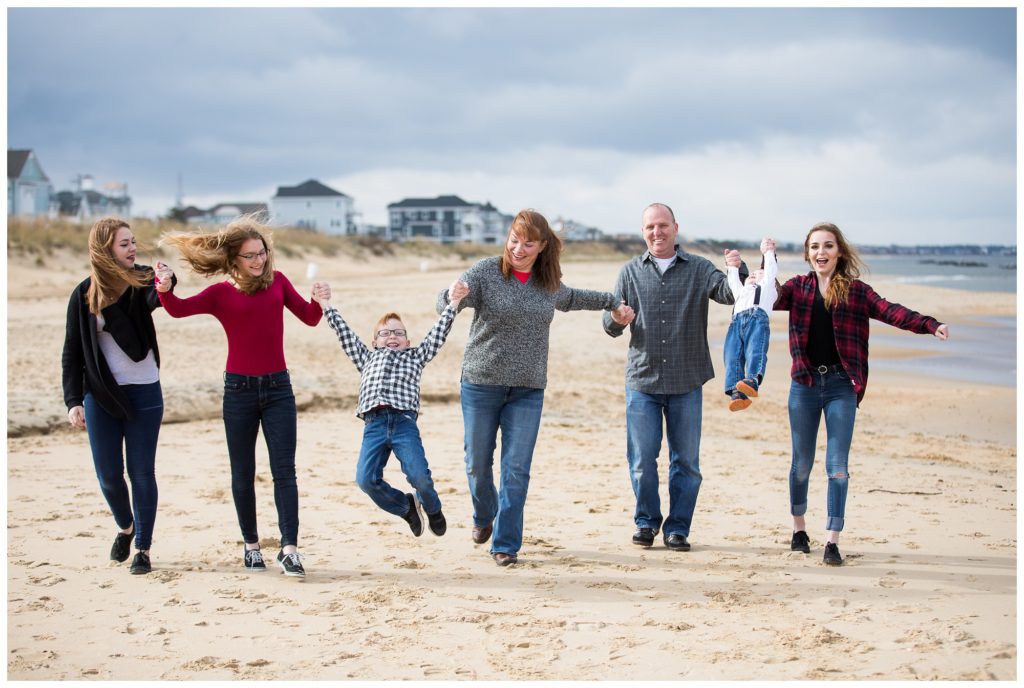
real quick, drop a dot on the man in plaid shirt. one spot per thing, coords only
(389, 403)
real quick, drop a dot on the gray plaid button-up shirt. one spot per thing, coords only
(668, 343)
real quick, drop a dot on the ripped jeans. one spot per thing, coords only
(833, 396)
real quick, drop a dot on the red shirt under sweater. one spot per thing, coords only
(254, 323)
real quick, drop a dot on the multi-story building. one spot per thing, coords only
(84, 203)
(312, 205)
(446, 219)
(223, 213)
(29, 190)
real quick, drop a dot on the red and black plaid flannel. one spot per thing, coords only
(850, 323)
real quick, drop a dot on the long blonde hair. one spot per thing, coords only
(848, 265)
(215, 254)
(108, 276)
(531, 225)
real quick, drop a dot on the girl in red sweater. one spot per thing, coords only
(257, 388)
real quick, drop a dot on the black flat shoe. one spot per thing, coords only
(122, 546)
(643, 537)
(140, 564)
(677, 542)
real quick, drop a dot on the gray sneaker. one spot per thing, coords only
(253, 560)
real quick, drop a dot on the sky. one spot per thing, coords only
(899, 125)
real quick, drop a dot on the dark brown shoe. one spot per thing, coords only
(503, 559)
(482, 535)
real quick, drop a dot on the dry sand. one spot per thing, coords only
(928, 590)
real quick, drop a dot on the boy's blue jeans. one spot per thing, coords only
(389, 430)
(746, 347)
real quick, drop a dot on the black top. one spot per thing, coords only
(129, 320)
(821, 344)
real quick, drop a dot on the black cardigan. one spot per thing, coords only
(130, 321)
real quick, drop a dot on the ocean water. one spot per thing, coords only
(998, 273)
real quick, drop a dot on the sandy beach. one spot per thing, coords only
(929, 589)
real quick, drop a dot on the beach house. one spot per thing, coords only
(28, 188)
(312, 205)
(446, 219)
(84, 203)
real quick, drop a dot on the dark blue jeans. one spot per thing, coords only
(118, 443)
(746, 347)
(388, 430)
(681, 415)
(516, 411)
(249, 402)
(833, 396)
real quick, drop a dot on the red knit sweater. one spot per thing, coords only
(254, 323)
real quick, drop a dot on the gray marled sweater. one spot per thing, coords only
(508, 338)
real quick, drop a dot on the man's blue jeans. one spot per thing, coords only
(388, 430)
(516, 412)
(682, 414)
(746, 347)
(832, 394)
(118, 444)
(267, 400)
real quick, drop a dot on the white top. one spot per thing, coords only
(744, 293)
(122, 367)
(664, 263)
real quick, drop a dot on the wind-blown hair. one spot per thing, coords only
(215, 254)
(107, 275)
(848, 265)
(529, 225)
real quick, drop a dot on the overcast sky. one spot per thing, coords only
(897, 125)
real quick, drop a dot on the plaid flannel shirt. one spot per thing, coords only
(390, 377)
(850, 321)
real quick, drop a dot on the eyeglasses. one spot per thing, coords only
(253, 256)
(388, 333)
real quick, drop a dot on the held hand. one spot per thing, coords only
(76, 416)
(164, 275)
(624, 314)
(767, 244)
(943, 332)
(322, 293)
(457, 291)
(732, 257)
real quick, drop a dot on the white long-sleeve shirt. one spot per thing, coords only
(744, 293)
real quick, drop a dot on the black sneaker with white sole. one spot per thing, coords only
(253, 560)
(413, 517)
(801, 543)
(291, 564)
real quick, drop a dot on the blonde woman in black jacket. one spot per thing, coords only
(111, 378)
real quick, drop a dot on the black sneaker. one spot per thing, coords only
(291, 564)
(677, 542)
(801, 543)
(122, 546)
(253, 560)
(438, 525)
(832, 556)
(643, 537)
(140, 564)
(412, 516)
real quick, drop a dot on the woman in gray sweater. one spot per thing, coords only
(504, 370)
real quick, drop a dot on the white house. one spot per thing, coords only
(28, 188)
(223, 213)
(446, 219)
(311, 205)
(84, 203)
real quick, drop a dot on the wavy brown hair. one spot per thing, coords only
(848, 265)
(107, 276)
(216, 253)
(532, 226)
